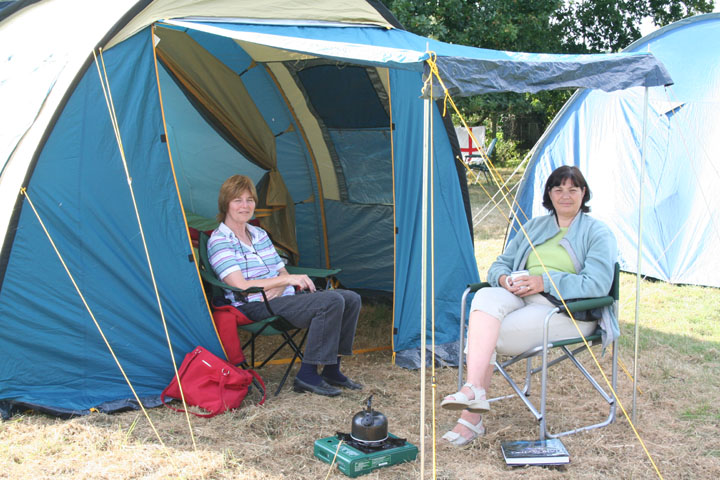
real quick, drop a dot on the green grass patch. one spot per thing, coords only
(703, 413)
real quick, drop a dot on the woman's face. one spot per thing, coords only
(241, 209)
(567, 198)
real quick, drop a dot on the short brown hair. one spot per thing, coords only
(231, 189)
(557, 177)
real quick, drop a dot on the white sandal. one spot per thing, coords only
(460, 401)
(458, 440)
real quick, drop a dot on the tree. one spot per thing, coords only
(551, 26)
(610, 26)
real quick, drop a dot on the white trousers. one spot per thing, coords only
(522, 320)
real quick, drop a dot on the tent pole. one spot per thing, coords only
(638, 276)
(423, 279)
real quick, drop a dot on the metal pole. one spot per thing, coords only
(638, 276)
(423, 279)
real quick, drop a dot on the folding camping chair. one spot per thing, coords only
(477, 162)
(543, 350)
(272, 325)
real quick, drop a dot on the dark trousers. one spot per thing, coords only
(330, 315)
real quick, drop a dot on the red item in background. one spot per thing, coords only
(227, 318)
(195, 235)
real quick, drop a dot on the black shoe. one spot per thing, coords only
(347, 383)
(322, 389)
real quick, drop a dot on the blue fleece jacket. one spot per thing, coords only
(593, 250)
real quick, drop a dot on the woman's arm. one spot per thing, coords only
(598, 271)
(278, 291)
(225, 265)
(504, 263)
(284, 279)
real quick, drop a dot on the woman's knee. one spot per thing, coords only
(496, 302)
(351, 298)
(331, 300)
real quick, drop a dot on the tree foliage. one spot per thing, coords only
(550, 26)
(604, 26)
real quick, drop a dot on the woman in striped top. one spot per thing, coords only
(243, 256)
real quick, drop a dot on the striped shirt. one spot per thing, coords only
(227, 254)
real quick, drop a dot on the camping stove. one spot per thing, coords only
(368, 447)
(358, 457)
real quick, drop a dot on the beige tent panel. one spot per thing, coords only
(345, 11)
(384, 76)
(311, 131)
(222, 93)
(265, 54)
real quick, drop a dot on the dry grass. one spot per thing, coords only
(678, 421)
(677, 416)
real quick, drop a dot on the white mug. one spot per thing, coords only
(515, 275)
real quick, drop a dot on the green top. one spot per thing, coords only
(555, 257)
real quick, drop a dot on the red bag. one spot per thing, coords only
(211, 383)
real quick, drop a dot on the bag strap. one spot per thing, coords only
(259, 379)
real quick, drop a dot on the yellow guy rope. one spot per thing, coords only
(23, 191)
(434, 70)
(105, 84)
(505, 191)
(337, 450)
(469, 170)
(501, 189)
(629, 375)
(153, 42)
(494, 174)
(433, 382)
(394, 233)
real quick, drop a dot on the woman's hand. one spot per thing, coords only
(507, 283)
(503, 281)
(274, 292)
(526, 285)
(303, 282)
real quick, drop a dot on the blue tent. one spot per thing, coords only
(602, 134)
(324, 110)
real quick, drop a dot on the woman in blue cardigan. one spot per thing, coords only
(573, 249)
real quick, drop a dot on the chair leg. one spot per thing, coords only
(543, 376)
(251, 342)
(297, 354)
(528, 376)
(461, 341)
(252, 350)
(289, 340)
(520, 393)
(608, 397)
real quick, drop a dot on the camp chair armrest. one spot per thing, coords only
(312, 272)
(474, 287)
(589, 304)
(210, 278)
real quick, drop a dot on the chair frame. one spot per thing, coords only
(542, 351)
